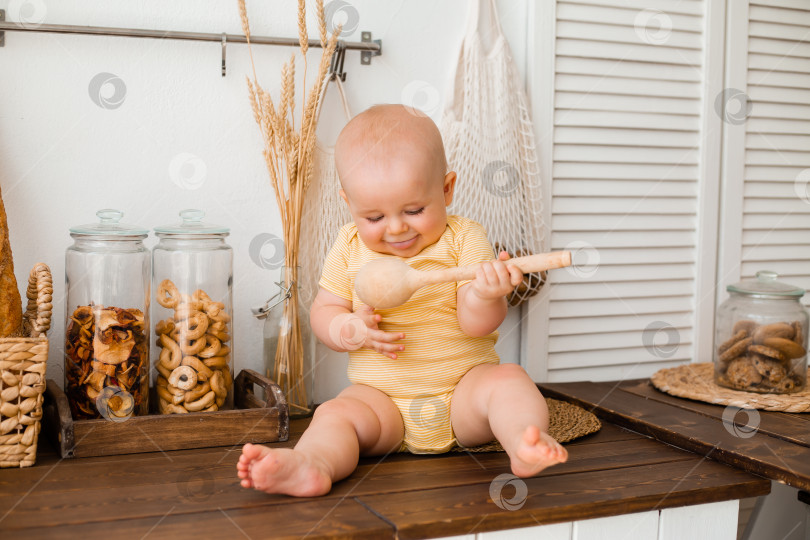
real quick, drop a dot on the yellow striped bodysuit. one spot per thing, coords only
(437, 353)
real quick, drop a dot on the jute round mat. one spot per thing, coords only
(566, 422)
(696, 381)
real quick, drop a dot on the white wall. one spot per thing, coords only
(62, 157)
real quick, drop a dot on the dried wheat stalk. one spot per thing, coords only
(288, 155)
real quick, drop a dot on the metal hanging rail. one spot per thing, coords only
(367, 46)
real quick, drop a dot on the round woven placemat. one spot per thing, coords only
(566, 422)
(696, 381)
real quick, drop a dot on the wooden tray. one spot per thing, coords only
(251, 421)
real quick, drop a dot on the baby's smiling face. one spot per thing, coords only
(395, 183)
(397, 209)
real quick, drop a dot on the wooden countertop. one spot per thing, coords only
(775, 445)
(196, 494)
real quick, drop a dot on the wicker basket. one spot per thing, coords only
(22, 375)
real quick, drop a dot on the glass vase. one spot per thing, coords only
(288, 344)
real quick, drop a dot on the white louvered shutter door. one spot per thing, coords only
(767, 179)
(626, 172)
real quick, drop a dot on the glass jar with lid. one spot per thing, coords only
(107, 283)
(192, 276)
(761, 337)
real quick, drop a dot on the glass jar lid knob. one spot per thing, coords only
(766, 276)
(191, 215)
(109, 216)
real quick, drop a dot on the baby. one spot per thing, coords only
(425, 375)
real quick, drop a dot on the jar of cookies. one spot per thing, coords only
(192, 276)
(761, 337)
(107, 283)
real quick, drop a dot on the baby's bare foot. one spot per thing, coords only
(536, 451)
(281, 471)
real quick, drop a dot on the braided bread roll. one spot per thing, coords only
(10, 302)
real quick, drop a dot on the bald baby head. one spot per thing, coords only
(389, 134)
(391, 164)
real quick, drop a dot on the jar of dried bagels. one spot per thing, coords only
(761, 337)
(192, 276)
(107, 319)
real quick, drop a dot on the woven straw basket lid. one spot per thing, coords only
(696, 381)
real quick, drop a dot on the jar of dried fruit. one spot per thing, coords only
(107, 319)
(761, 337)
(192, 276)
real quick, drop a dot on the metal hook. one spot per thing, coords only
(224, 42)
(336, 69)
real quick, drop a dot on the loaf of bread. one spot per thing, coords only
(10, 301)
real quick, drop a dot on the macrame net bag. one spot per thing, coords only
(325, 212)
(489, 141)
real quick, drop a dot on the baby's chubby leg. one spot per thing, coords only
(360, 421)
(502, 401)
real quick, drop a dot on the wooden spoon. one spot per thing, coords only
(389, 282)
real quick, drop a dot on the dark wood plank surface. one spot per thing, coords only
(164, 468)
(564, 498)
(316, 519)
(764, 443)
(793, 428)
(178, 494)
(208, 483)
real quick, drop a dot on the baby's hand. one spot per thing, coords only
(351, 331)
(495, 279)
